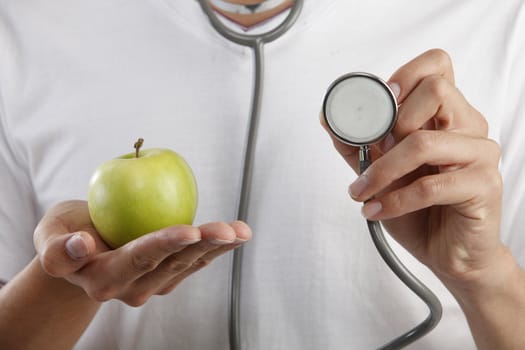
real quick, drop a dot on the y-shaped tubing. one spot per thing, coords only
(256, 42)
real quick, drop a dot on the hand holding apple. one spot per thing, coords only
(153, 264)
(127, 197)
(141, 192)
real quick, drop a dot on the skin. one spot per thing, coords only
(251, 19)
(443, 206)
(71, 290)
(436, 186)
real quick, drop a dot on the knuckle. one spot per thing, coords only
(142, 263)
(376, 171)
(437, 86)
(164, 291)
(48, 263)
(393, 201)
(136, 299)
(422, 141)
(483, 125)
(428, 187)
(177, 266)
(495, 150)
(493, 183)
(379, 173)
(168, 289)
(441, 57)
(200, 263)
(402, 125)
(174, 265)
(102, 294)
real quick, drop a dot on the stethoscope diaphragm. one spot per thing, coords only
(360, 108)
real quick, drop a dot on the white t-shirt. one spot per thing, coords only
(81, 80)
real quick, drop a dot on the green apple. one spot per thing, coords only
(141, 192)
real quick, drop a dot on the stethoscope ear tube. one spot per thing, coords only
(256, 42)
(248, 39)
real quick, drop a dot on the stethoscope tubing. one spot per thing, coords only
(422, 291)
(256, 42)
(255, 39)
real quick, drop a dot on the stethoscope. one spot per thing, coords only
(360, 109)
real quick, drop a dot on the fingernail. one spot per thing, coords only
(321, 117)
(220, 241)
(238, 240)
(358, 186)
(388, 142)
(371, 209)
(396, 89)
(76, 248)
(189, 241)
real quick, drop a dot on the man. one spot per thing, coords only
(80, 81)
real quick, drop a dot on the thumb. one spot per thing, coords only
(65, 254)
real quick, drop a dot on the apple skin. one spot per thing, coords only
(129, 196)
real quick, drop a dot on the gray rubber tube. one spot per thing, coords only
(256, 42)
(415, 285)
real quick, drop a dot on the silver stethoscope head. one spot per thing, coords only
(360, 109)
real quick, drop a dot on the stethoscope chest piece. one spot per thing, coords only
(360, 108)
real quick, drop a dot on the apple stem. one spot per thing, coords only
(137, 146)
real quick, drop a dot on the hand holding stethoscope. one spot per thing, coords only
(434, 182)
(443, 205)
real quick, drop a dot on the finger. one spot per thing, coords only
(65, 217)
(402, 82)
(147, 252)
(214, 235)
(64, 254)
(198, 257)
(197, 265)
(434, 148)
(437, 101)
(217, 239)
(168, 285)
(465, 189)
(110, 273)
(432, 62)
(175, 267)
(243, 233)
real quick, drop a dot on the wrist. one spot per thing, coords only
(59, 285)
(32, 299)
(500, 277)
(493, 301)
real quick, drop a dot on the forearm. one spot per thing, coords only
(41, 312)
(495, 309)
